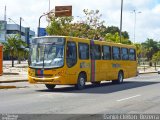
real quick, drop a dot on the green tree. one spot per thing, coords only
(156, 58)
(138, 49)
(151, 46)
(60, 26)
(22, 53)
(141, 52)
(116, 38)
(15, 48)
(125, 35)
(94, 23)
(112, 37)
(90, 27)
(113, 30)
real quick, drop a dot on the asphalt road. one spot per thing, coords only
(136, 95)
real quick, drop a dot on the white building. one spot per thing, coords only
(13, 29)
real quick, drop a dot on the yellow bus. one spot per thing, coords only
(64, 60)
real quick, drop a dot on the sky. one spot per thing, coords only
(147, 14)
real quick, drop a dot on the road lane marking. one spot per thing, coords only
(128, 98)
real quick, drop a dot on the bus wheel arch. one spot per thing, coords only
(120, 78)
(82, 78)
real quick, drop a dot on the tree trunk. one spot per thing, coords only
(19, 61)
(155, 65)
(12, 61)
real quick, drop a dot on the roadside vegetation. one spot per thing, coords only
(14, 48)
(91, 26)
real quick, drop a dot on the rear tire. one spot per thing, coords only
(119, 80)
(81, 82)
(50, 86)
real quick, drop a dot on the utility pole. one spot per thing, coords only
(135, 21)
(49, 5)
(121, 21)
(20, 27)
(5, 19)
(5, 13)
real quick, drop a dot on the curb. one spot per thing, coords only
(148, 72)
(10, 81)
(7, 87)
(10, 73)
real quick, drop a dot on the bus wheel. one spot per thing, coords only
(97, 83)
(50, 86)
(81, 82)
(119, 80)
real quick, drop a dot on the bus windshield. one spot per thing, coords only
(47, 53)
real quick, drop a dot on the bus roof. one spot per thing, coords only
(96, 41)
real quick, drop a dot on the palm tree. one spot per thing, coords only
(21, 51)
(139, 51)
(156, 58)
(14, 47)
(151, 46)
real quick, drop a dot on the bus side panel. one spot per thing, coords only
(125, 68)
(81, 66)
(85, 66)
(115, 67)
(102, 70)
(71, 76)
(132, 69)
(73, 73)
(105, 70)
(98, 73)
(109, 70)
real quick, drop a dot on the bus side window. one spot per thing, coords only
(71, 54)
(83, 49)
(95, 51)
(124, 53)
(106, 52)
(132, 54)
(116, 53)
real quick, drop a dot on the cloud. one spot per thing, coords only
(156, 10)
(147, 25)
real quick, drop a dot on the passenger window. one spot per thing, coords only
(95, 52)
(83, 51)
(132, 54)
(106, 52)
(124, 54)
(71, 54)
(116, 53)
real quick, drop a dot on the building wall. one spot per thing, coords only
(3, 30)
(13, 29)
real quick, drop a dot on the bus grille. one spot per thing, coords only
(44, 76)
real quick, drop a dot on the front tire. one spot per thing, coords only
(81, 82)
(120, 78)
(50, 86)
